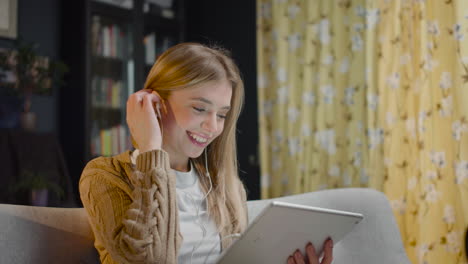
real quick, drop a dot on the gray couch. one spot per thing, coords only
(62, 235)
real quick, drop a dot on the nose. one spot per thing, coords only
(210, 123)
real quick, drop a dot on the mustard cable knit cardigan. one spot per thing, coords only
(132, 210)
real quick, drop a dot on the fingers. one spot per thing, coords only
(311, 254)
(140, 107)
(328, 252)
(298, 258)
(134, 100)
(152, 100)
(161, 102)
(148, 100)
(142, 98)
(138, 96)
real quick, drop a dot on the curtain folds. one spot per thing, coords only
(370, 94)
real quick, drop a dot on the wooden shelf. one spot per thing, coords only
(160, 24)
(106, 109)
(106, 117)
(108, 67)
(110, 11)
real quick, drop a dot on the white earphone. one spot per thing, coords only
(197, 207)
(200, 223)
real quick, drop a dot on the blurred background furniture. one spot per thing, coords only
(24, 152)
(62, 235)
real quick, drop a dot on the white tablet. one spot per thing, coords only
(281, 228)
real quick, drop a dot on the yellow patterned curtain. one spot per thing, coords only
(317, 95)
(371, 94)
(423, 74)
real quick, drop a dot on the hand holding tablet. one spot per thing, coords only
(311, 256)
(281, 228)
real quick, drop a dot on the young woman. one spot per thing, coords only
(177, 197)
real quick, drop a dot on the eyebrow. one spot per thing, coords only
(204, 100)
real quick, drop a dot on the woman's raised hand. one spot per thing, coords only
(312, 258)
(142, 119)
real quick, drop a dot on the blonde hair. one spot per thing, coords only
(189, 64)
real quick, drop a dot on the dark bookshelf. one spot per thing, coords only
(103, 44)
(110, 67)
(110, 11)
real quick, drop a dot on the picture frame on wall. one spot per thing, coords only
(8, 18)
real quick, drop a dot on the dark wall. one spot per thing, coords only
(38, 21)
(232, 24)
(227, 23)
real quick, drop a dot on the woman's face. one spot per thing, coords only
(195, 117)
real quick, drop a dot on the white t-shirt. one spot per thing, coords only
(198, 230)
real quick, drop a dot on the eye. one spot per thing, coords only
(222, 116)
(200, 110)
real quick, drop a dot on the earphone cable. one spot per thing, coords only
(222, 239)
(197, 206)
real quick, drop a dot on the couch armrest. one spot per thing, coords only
(375, 240)
(31, 234)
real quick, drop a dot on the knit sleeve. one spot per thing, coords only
(136, 227)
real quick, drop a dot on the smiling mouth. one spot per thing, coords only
(197, 140)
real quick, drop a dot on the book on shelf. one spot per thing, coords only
(150, 48)
(110, 141)
(130, 79)
(95, 35)
(127, 4)
(155, 46)
(106, 92)
(107, 40)
(166, 43)
(163, 8)
(161, 3)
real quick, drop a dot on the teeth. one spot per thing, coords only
(198, 139)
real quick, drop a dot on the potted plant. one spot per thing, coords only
(24, 73)
(38, 186)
